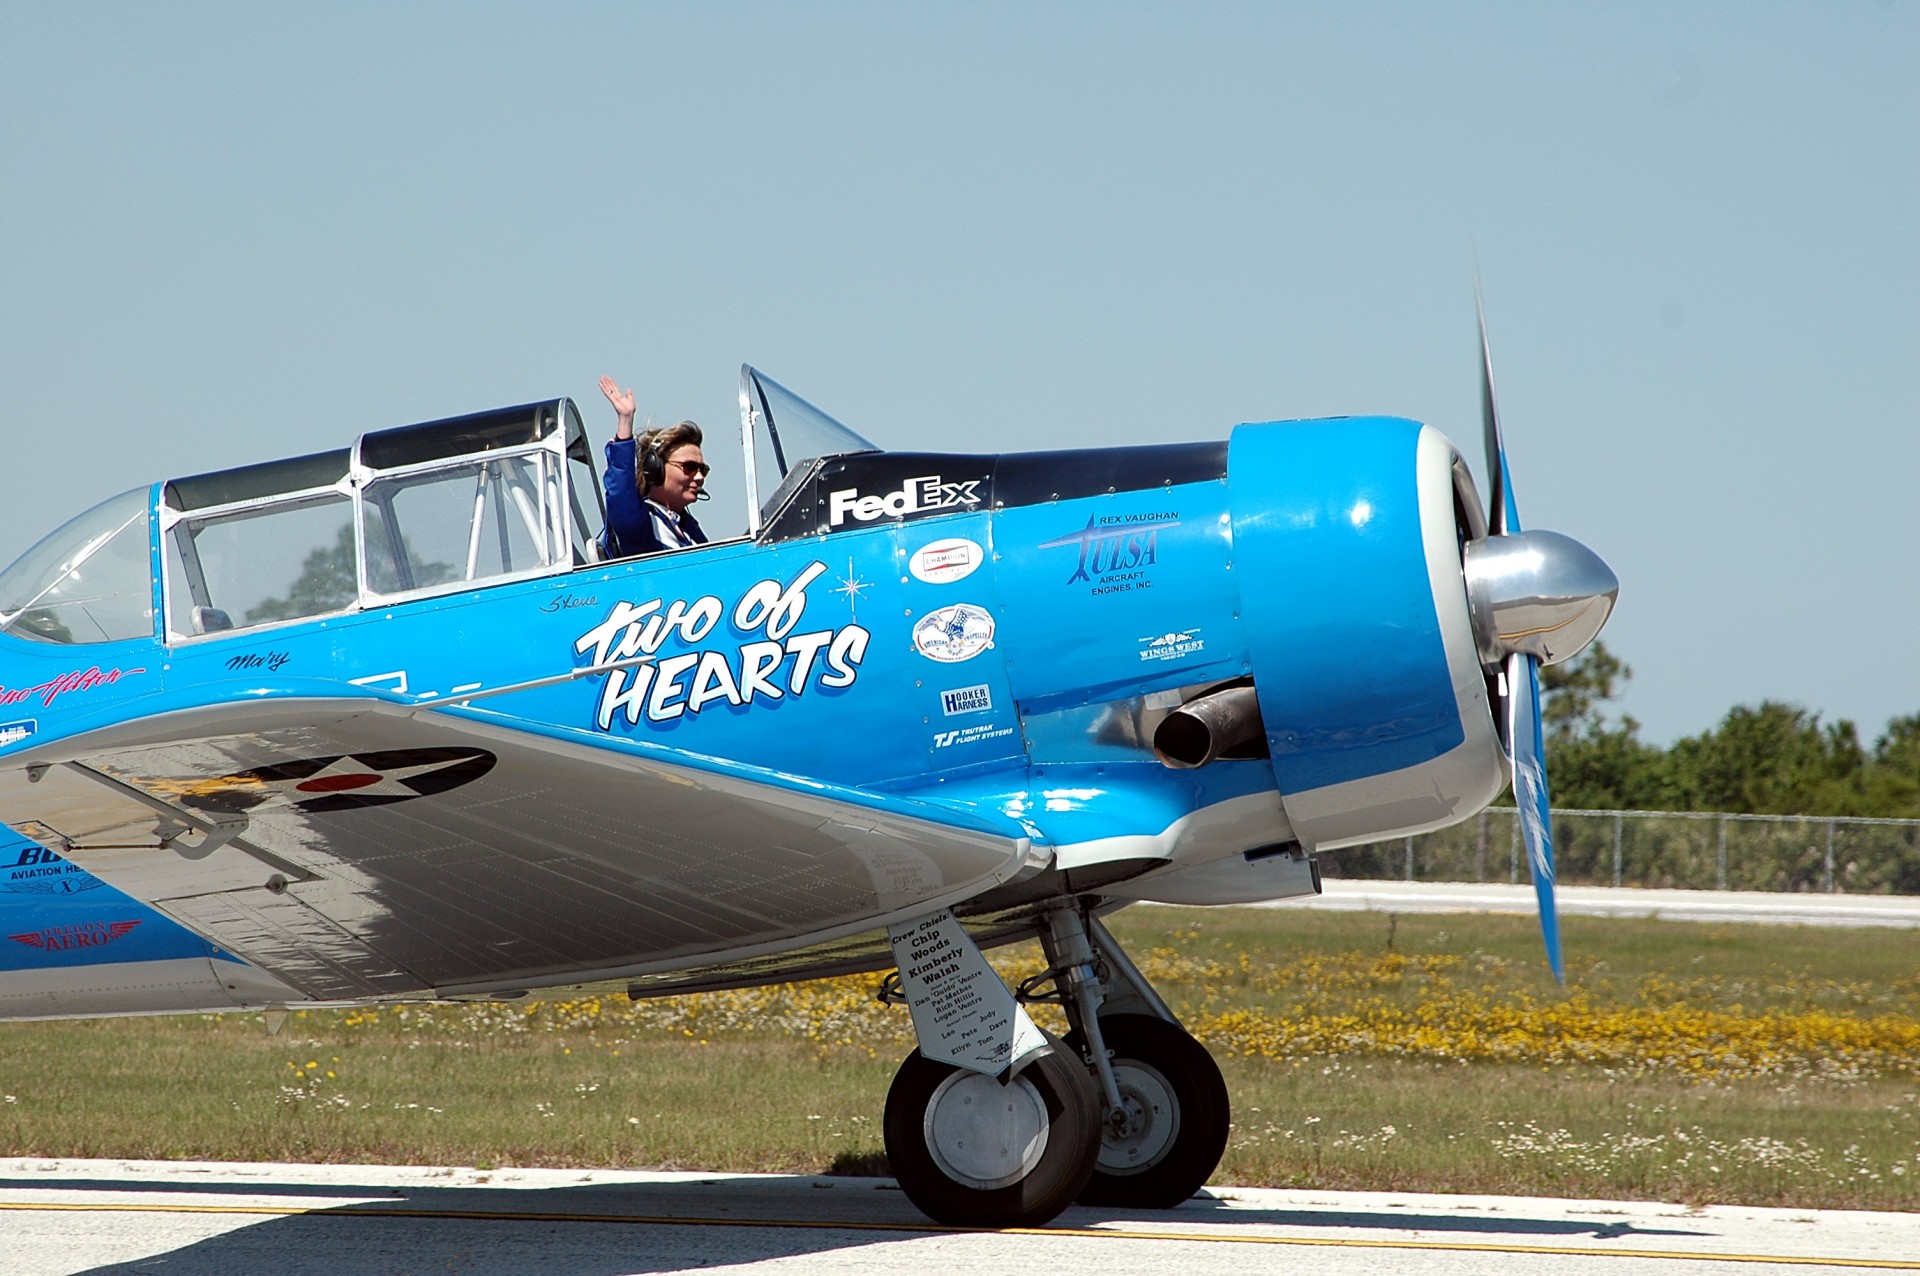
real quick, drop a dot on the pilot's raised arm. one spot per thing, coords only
(652, 482)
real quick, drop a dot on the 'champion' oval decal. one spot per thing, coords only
(944, 561)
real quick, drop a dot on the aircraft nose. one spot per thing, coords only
(1537, 592)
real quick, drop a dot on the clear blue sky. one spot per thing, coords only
(237, 231)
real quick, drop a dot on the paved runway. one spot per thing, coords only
(63, 1217)
(1626, 901)
(58, 1218)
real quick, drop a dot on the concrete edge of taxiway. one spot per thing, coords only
(80, 1189)
(1773, 908)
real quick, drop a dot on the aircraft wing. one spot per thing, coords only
(364, 848)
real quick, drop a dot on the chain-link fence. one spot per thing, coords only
(1689, 850)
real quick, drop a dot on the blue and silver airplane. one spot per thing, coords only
(380, 724)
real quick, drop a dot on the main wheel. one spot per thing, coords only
(975, 1153)
(1172, 1128)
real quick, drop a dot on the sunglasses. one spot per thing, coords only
(695, 469)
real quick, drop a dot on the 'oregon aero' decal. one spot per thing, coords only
(77, 935)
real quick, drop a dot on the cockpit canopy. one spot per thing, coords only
(89, 581)
(404, 513)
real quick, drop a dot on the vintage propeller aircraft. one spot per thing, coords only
(378, 724)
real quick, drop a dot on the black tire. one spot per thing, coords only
(1052, 1110)
(1180, 1111)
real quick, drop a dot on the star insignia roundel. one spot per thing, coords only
(343, 782)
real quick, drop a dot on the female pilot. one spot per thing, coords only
(652, 483)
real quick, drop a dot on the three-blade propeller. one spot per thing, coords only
(1537, 598)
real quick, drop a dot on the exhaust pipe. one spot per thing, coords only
(1220, 724)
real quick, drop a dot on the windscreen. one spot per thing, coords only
(90, 581)
(784, 433)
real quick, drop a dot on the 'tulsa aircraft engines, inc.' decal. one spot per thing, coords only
(1116, 552)
(436, 744)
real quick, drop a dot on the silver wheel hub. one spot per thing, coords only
(985, 1135)
(1148, 1121)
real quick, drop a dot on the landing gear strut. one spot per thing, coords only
(1165, 1111)
(1128, 1110)
(1165, 1137)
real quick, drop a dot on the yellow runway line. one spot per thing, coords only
(1198, 1238)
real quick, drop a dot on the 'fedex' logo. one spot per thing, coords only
(915, 496)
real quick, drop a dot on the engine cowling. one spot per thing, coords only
(1348, 541)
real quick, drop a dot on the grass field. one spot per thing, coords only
(1751, 1064)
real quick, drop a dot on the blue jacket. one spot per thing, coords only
(630, 528)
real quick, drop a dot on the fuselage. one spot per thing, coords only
(985, 642)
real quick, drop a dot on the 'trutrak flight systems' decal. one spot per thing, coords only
(923, 495)
(72, 680)
(342, 783)
(1116, 551)
(980, 734)
(78, 935)
(778, 664)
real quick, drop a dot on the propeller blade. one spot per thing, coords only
(1526, 744)
(1530, 793)
(1503, 515)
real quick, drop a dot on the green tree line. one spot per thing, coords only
(1771, 758)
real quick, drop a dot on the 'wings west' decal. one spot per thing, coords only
(343, 783)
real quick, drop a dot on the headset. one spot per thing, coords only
(653, 457)
(653, 464)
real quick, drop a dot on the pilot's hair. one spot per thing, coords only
(656, 446)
